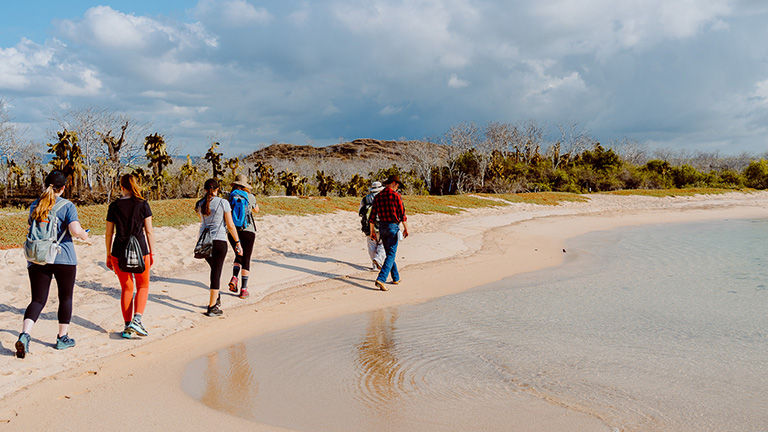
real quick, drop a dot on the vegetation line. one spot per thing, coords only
(179, 212)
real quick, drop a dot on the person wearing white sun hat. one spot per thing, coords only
(375, 248)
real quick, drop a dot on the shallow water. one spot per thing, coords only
(660, 328)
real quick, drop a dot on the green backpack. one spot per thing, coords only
(41, 246)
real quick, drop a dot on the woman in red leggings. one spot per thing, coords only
(126, 216)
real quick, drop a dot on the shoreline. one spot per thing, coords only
(491, 240)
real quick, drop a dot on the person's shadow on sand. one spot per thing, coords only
(315, 258)
(5, 351)
(53, 316)
(114, 292)
(325, 275)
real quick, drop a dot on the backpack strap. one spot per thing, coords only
(221, 204)
(56, 207)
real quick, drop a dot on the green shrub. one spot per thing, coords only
(729, 178)
(686, 175)
(756, 174)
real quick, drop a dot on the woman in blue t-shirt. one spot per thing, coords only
(64, 267)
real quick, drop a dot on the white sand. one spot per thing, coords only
(445, 254)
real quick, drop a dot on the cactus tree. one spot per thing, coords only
(214, 158)
(158, 158)
(67, 157)
(263, 176)
(325, 183)
(292, 182)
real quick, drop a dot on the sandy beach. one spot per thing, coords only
(305, 268)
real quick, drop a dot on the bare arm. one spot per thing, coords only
(108, 234)
(233, 231)
(150, 234)
(231, 226)
(77, 231)
(405, 229)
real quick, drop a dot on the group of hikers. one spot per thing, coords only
(129, 240)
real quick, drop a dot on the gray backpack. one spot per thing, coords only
(41, 246)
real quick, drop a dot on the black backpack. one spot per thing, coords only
(132, 259)
(365, 211)
(204, 245)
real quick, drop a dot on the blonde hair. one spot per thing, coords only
(54, 183)
(128, 181)
(47, 200)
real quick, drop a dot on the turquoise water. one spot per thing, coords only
(656, 328)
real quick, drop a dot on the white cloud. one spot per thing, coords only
(238, 13)
(300, 16)
(154, 94)
(17, 63)
(256, 72)
(545, 90)
(390, 110)
(412, 33)
(198, 30)
(605, 26)
(106, 28)
(43, 69)
(82, 81)
(455, 82)
(761, 92)
(331, 109)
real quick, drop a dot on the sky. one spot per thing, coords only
(673, 74)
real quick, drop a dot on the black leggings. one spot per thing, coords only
(216, 261)
(40, 280)
(247, 239)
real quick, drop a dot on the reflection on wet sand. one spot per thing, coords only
(229, 387)
(380, 380)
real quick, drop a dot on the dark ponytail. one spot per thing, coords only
(205, 203)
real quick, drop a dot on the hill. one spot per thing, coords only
(359, 149)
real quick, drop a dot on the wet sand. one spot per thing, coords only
(139, 389)
(617, 329)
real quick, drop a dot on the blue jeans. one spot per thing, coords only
(388, 233)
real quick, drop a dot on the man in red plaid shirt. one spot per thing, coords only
(388, 212)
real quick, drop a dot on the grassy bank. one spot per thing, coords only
(661, 193)
(179, 212)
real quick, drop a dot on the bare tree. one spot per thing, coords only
(109, 141)
(87, 123)
(460, 138)
(574, 140)
(9, 134)
(423, 159)
(498, 138)
(630, 150)
(463, 136)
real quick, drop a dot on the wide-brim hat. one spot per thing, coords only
(393, 179)
(242, 181)
(376, 187)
